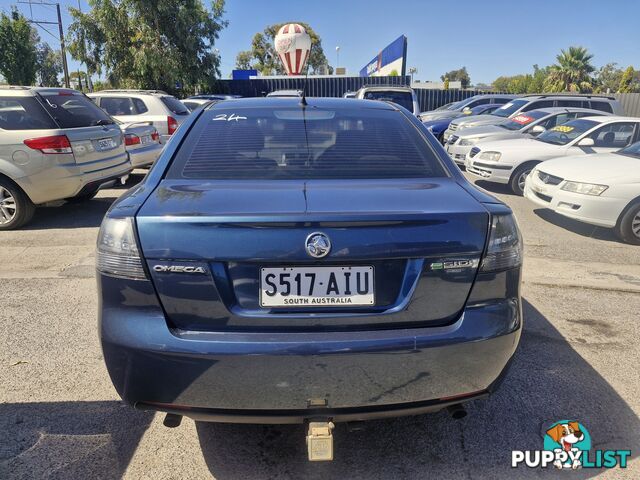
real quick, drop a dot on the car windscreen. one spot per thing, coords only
(175, 105)
(632, 150)
(404, 99)
(522, 120)
(73, 110)
(510, 108)
(309, 143)
(563, 134)
(23, 113)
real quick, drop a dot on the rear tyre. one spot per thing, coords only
(516, 183)
(628, 227)
(16, 209)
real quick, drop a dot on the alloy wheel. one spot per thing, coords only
(7, 206)
(522, 178)
(635, 225)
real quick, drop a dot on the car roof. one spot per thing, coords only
(611, 118)
(398, 88)
(325, 102)
(551, 110)
(160, 93)
(20, 90)
(491, 95)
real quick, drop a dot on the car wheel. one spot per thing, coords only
(628, 227)
(518, 178)
(16, 208)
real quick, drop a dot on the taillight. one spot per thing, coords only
(172, 125)
(505, 245)
(118, 254)
(53, 144)
(131, 139)
(155, 136)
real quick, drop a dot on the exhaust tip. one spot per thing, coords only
(457, 411)
(171, 420)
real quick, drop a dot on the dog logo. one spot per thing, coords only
(570, 437)
(567, 445)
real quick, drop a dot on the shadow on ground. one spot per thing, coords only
(581, 228)
(68, 440)
(548, 381)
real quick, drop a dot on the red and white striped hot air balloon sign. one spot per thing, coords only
(293, 45)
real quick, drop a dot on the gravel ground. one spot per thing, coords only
(61, 418)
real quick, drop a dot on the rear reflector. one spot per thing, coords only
(505, 245)
(117, 254)
(172, 125)
(53, 144)
(131, 139)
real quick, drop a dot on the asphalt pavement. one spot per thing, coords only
(60, 417)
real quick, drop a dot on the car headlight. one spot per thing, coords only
(584, 188)
(491, 156)
(466, 142)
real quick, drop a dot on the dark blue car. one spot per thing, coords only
(438, 126)
(287, 260)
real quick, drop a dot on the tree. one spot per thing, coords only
(608, 78)
(628, 82)
(18, 58)
(264, 56)
(49, 64)
(459, 75)
(243, 60)
(572, 72)
(394, 73)
(149, 43)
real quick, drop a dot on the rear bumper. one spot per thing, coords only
(144, 156)
(64, 181)
(277, 377)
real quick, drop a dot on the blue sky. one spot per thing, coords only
(490, 38)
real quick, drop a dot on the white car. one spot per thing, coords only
(403, 96)
(531, 124)
(285, 93)
(528, 103)
(162, 110)
(601, 189)
(142, 142)
(510, 161)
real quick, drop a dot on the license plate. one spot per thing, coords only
(316, 286)
(106, 143)
(144, 139)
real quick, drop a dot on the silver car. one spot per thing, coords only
(529, 124)
(55, 144)
(142, 142)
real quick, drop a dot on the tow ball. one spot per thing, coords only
(320, 441)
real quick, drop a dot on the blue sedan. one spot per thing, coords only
(437, 127)
(290, 259)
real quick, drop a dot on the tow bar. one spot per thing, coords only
(320, 441)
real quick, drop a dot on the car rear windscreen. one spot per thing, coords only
(305, 143)
(404, 99)
(175, 105)
(74, 110)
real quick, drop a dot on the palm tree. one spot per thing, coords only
(572, 72)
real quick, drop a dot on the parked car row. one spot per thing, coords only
(574, 154)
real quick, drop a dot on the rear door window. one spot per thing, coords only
(23, 113)
(118, 105)
(404, 99)
(266, 143)
(604, 106)
(175, 105)
(74, 110)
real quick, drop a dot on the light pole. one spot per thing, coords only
(412, 70)
(337, 60)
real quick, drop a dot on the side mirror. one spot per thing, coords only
(537, 130)
(586, 142)
(466, 110)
